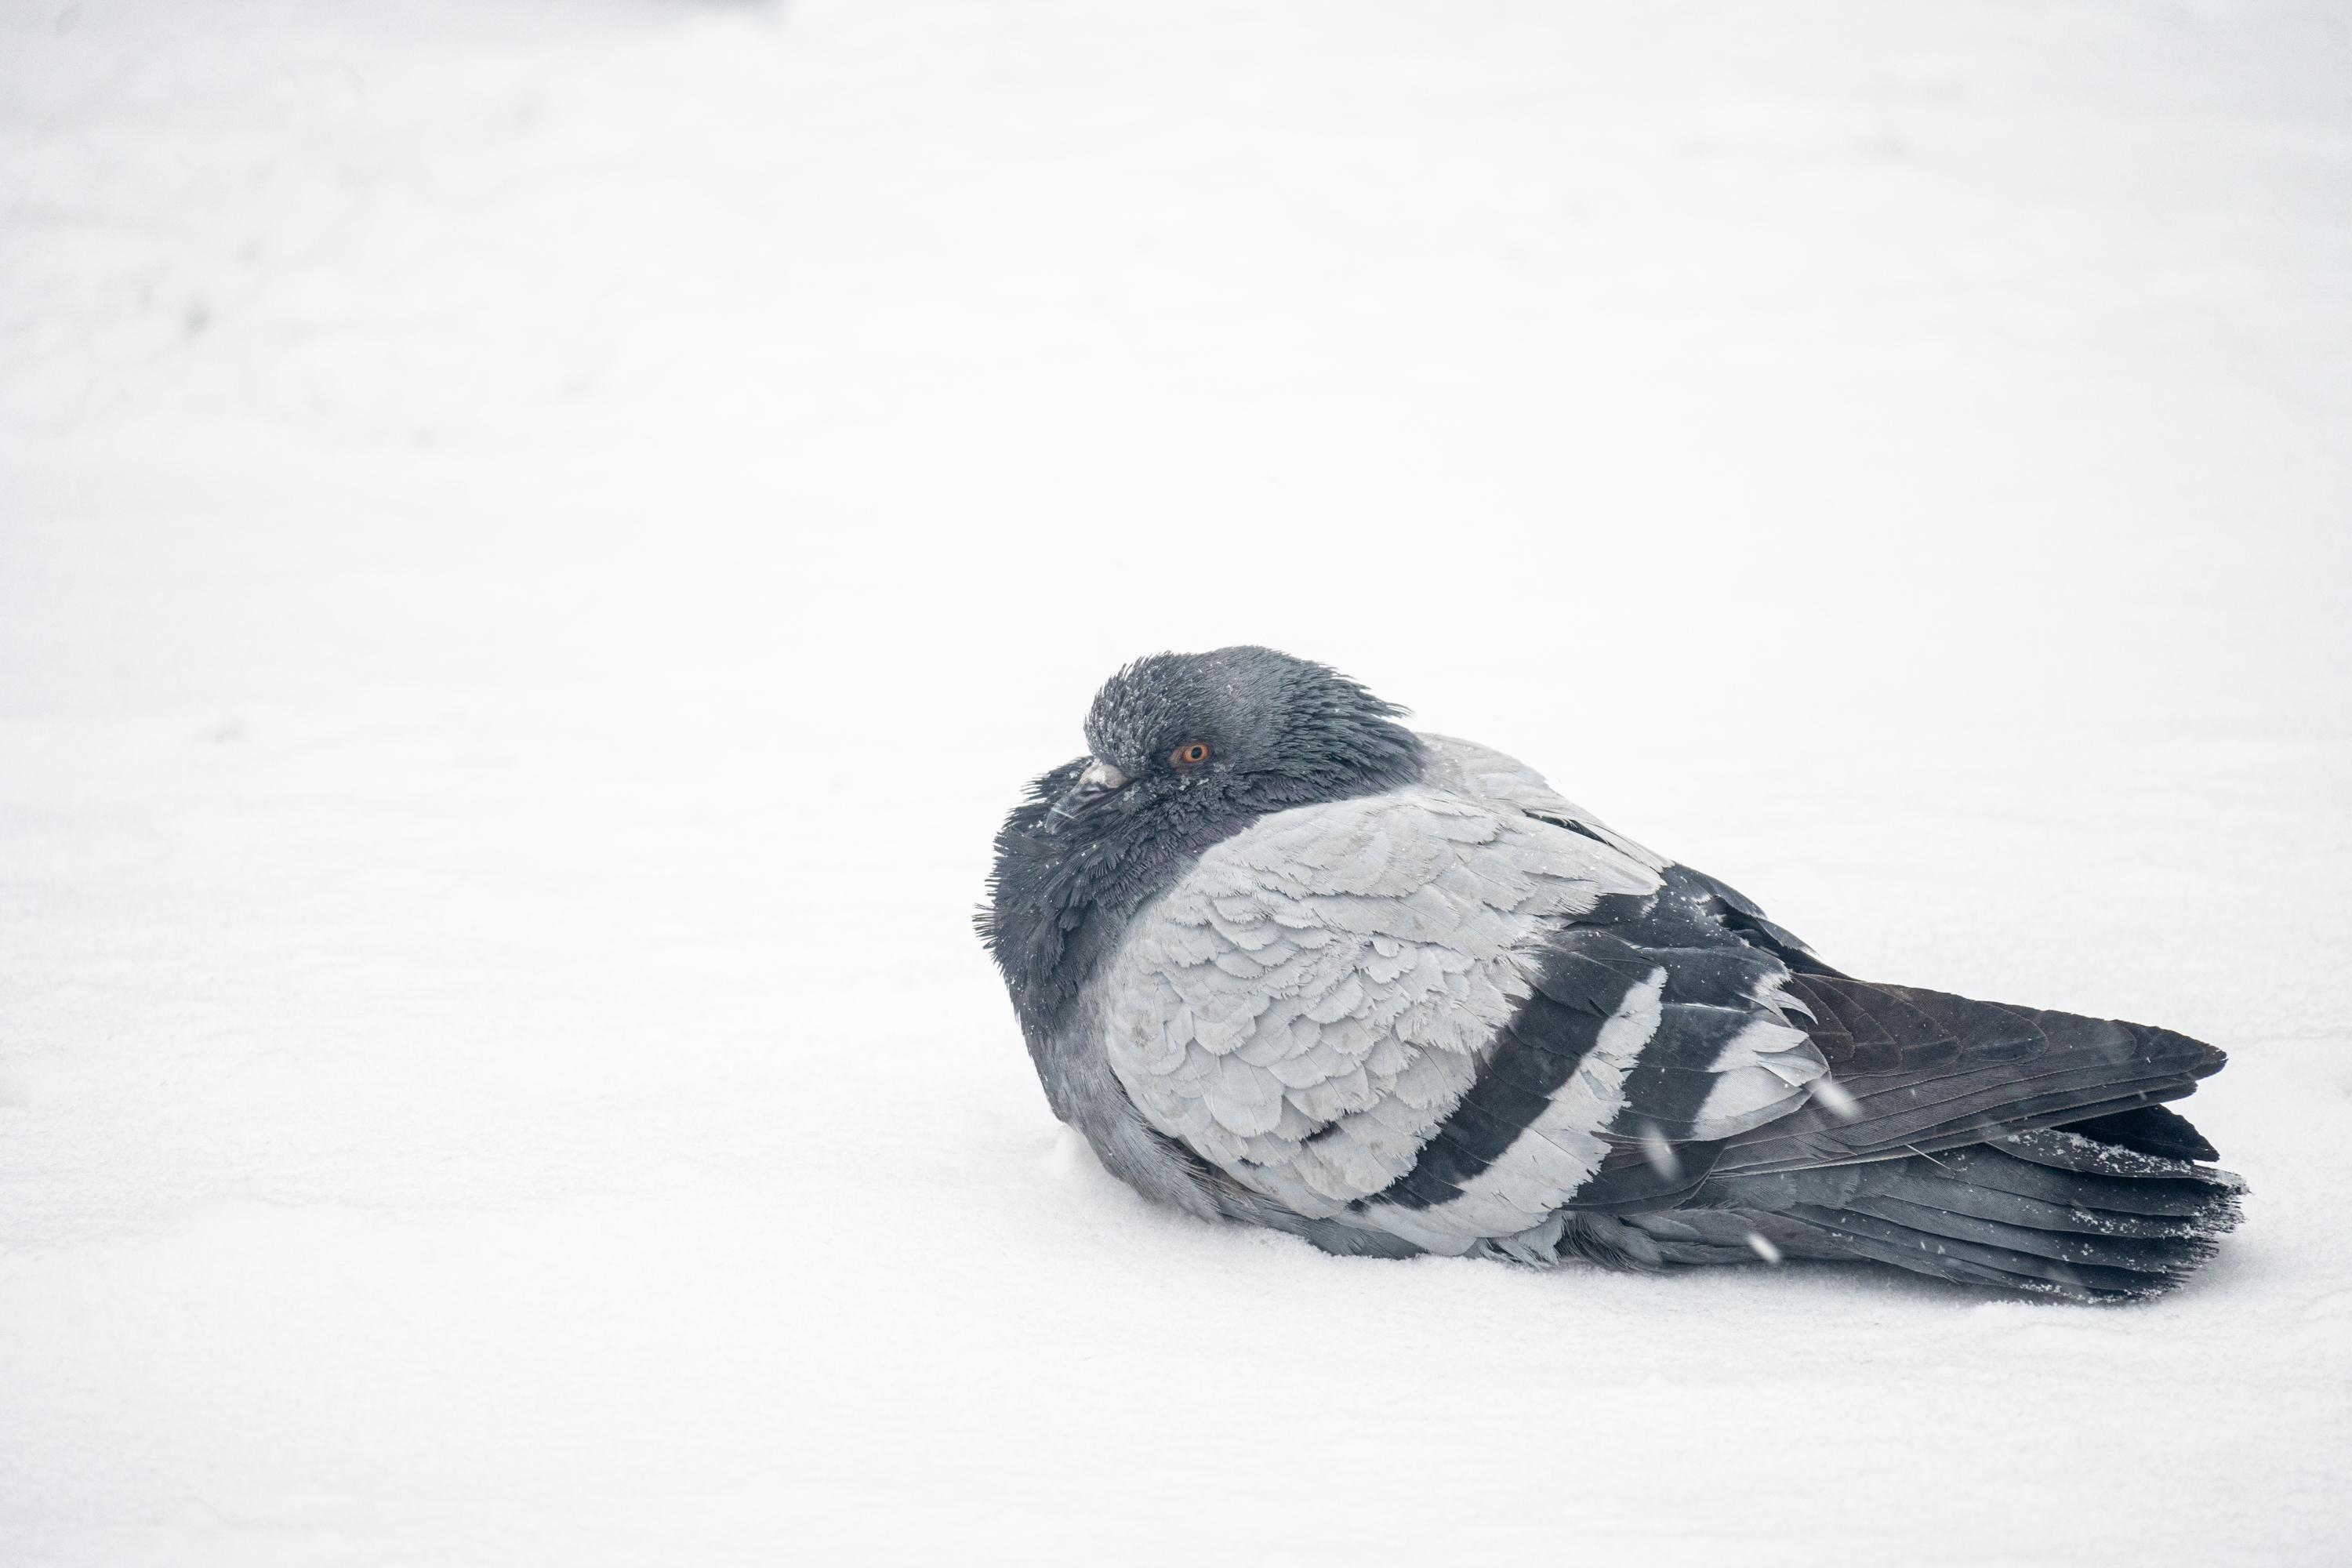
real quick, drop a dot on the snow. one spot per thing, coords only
(537, 541)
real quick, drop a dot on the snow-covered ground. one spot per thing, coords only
(536, 540)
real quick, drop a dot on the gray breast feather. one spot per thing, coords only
(1308, 1004)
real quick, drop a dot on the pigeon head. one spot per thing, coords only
(1186, 738)
(1186, 749)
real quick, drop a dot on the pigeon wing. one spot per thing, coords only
(1429, 1015)
(1314, 999)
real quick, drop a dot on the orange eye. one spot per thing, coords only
(1191, 754)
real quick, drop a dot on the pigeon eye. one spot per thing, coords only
(1191, 754)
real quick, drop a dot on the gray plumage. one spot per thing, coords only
(1282, 961)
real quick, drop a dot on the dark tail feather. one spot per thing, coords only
(2150, 1130)
(2050, 1213)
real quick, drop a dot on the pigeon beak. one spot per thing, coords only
(1097, 782)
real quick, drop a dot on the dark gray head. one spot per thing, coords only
(1186, 749)
(1240, 731)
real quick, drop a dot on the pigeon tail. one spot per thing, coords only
(2055, 1212)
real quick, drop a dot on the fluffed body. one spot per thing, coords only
(1392, 993)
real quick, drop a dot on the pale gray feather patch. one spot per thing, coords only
(1411, 919)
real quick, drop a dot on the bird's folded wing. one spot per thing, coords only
(1427, 1014)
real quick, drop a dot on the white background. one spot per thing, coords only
(537, 541)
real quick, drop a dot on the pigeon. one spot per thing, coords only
(1283, 961)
